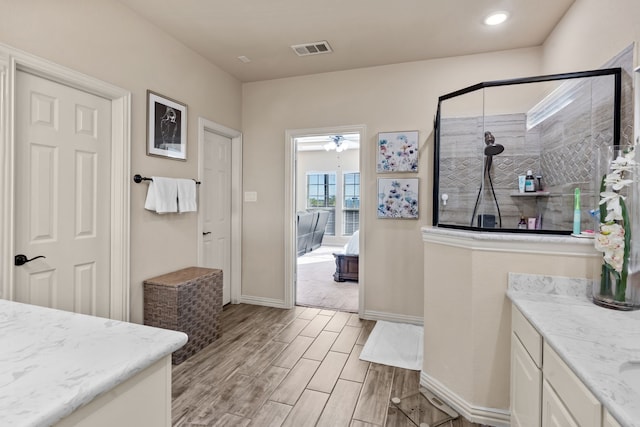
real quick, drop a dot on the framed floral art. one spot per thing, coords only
(398, 198)
(398, 151)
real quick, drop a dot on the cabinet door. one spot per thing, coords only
(608, 420)
(576, 397)
(554, 413)
(526, 380)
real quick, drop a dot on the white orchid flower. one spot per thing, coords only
(612, 201)
(616, 181)
(605, 243)
(611, 239)
(613, 229)
(617, 186)
(614, 214)
(610, 197)
(623, 163)
(615, 259)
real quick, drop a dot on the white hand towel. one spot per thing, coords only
(187, 195)
(162, 195)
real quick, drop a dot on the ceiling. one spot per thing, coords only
(362, 33)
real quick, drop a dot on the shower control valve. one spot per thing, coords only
(444, 198)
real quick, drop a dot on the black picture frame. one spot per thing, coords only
(166, 127)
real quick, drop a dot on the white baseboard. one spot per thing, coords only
(368, 314)
(475, 414)
(268, 302)
(392, 317)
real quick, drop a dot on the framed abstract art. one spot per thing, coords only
(398, 198)
(398, 151)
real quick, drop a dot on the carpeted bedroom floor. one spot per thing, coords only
(315, 284)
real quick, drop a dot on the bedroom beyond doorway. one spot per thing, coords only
(327, 203)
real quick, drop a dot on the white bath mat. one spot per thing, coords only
(395, 344)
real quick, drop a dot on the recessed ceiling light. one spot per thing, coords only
(244, 59)
(496, 18)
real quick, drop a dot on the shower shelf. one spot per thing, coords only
(534, 194)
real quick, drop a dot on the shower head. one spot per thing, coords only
(492, 149)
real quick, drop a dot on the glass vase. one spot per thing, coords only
(614, 290)
(618, 286)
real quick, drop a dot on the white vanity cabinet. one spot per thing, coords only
(579, 401)
(544, 390)
(66, 369)
(554, 413)
(526, 374)
(608, 420)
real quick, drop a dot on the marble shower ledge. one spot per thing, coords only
(593, 341)
(510, 242)
(53, 362)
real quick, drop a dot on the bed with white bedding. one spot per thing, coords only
(347, 262)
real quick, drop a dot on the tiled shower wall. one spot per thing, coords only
(561, 149)
(461, 168)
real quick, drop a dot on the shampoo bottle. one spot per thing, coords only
(576, 212)
(522, 225)
(529, 183)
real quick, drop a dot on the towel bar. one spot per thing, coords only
(137, 178)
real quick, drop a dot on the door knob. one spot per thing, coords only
(206, 232)
(21, 259)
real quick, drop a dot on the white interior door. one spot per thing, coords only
(215, 194)
(62, 209)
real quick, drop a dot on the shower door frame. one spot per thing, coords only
(617, 102)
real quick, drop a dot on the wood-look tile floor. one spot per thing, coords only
(298, 367)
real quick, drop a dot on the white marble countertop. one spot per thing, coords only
(52, 362)
(593, 341)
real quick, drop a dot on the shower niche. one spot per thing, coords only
(488, 136)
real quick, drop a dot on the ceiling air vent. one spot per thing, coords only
(315, 48)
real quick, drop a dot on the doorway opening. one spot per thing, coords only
(327, 219)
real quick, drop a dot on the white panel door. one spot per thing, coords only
(62, 210)
(215, 194)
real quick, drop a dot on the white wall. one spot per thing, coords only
(591, 33)
(104, 39)
(387, 98)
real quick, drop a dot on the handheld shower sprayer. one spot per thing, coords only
(491, 149)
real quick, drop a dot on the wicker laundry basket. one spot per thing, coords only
(189, 301)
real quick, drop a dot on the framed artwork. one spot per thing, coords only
(398, 151)
(398, 198)
(167, 127)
